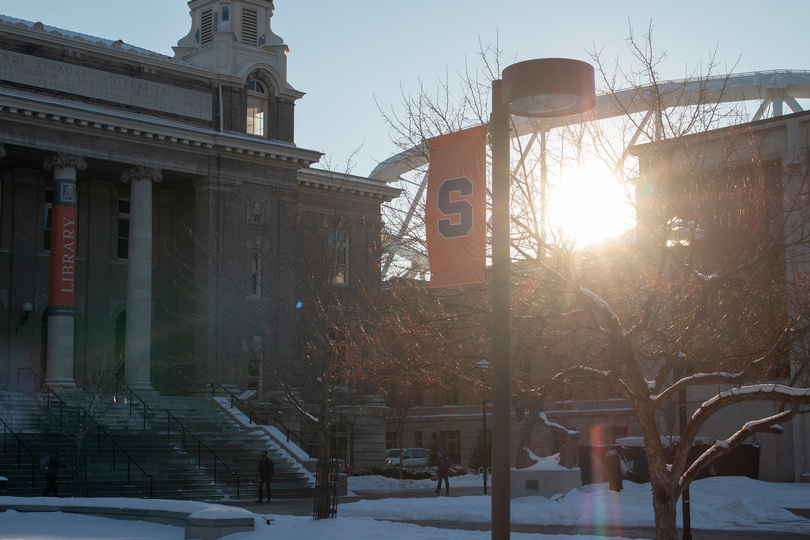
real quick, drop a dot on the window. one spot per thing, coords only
(451, 396)
(46, 238)
(337, 345)
(391, 439)
(450, 442)
(417, 439)
(339, 255)
(123, 228)
(207, 30)
(250, 27)
(257, 104)
(255, 273)
(341, 442)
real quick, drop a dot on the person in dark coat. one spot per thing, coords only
(266, 470)
(443, 473)
(50, 466)
(613, 468)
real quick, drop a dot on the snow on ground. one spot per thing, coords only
(53, 526)
(381, 483)
(717, 503)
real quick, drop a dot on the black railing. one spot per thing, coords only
(132, 394)
(20, 447)
(100, 429)
(200, 445)
(183, 431)
(262, 418)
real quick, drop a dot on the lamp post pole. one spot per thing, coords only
(499, 125)
(685, 503)
(544, 88)
(486, 447)
(484, 365)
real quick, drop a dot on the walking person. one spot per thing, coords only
(266, 470)
(443, 473)
(613, 468)
(50, 466)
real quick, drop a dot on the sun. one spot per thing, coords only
(589, 204)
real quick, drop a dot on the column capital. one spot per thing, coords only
(64, 160)
(139, 172)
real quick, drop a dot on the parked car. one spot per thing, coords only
(411, 457)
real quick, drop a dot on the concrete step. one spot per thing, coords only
(175, 472)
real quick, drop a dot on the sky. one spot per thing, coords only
(353, 57)
(726, 503)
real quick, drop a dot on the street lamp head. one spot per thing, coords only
(483, 364)
(548, 87)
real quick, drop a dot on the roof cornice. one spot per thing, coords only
(149, 130)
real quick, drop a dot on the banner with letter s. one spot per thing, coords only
(455, 214)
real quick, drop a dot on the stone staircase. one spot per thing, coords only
(180, 464)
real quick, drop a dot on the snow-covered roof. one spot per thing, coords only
(93, 40)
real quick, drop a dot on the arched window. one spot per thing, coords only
(257, 104)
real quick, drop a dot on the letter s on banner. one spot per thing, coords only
(461, 208)
(455, 216)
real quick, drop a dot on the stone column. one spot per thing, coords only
(138, 342)
(62, 276)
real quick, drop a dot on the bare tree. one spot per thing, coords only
(702, 302)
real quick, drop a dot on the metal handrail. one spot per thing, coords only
(200, 445)
(100, 429)
(184, 430)
(249, 412)
(139, 398)
(20, 444)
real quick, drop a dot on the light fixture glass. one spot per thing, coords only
(548, 87)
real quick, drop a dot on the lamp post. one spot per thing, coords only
(685, 502)
(543, 88)
(484, 366)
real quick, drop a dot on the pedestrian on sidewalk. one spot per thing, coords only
(266, 470)
(50, 466)
(443, 473)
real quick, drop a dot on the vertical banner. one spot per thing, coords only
(455, 214)
(62, 287)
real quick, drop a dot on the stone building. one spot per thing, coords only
(152, 206)
(739, 197)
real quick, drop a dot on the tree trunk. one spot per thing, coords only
(78, 473)
(324, 467)
(665, 507)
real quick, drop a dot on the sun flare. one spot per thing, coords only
(588, 205)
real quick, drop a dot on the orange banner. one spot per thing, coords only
(455, 214)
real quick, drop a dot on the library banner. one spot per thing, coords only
(455, 214)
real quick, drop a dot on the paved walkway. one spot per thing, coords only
(304, 507)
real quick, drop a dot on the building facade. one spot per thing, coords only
(739, 200)
(151, 206)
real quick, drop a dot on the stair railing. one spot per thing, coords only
(132, 394)
(183, 431)
(20, 446)
(100, 429)
(200, 445)
(250, 413)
